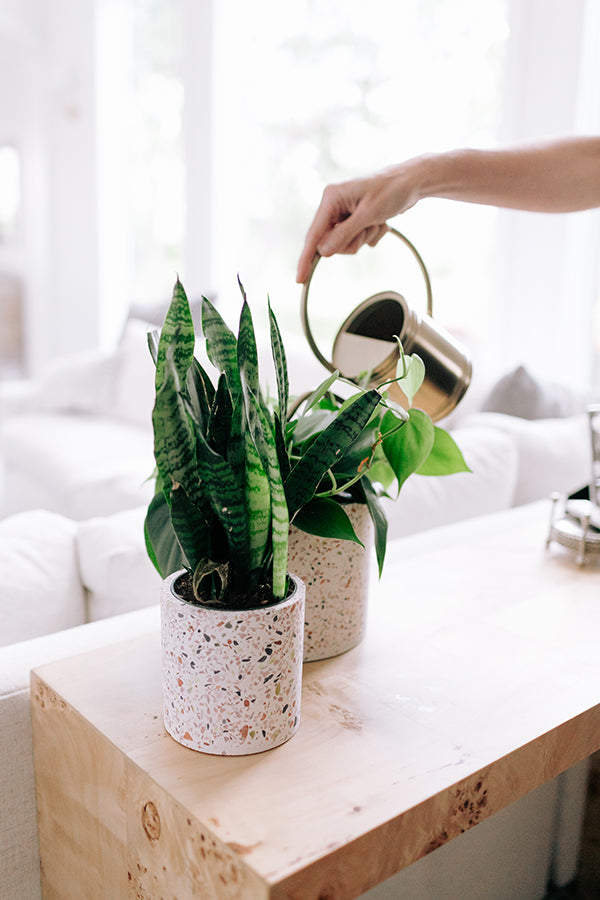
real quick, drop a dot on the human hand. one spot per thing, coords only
(355, 212)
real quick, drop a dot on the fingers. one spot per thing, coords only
(331, 211)
(370, 236)
(342, 224)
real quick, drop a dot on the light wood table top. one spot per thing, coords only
(479, 680)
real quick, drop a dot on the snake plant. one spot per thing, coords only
(225, 489)
(233, 471)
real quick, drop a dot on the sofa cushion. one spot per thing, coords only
(428, 501)
(82, 465)
(553, 454)
(41, 590)
(115, 567)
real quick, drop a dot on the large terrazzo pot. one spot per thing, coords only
(231, 679)
(336, 574)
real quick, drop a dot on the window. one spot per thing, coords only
(286, 99)
(324, 91)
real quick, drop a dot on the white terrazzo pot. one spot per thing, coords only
(336, 574)
(232, 679)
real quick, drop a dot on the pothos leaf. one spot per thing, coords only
(409, 446)
(445, 457)
(326, 518)
(410, 373)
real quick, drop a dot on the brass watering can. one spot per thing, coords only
(366, 342)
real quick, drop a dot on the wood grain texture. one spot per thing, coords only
(478, 680)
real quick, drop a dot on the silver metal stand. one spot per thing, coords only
(575, 524)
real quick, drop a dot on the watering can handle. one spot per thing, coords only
(304, 299)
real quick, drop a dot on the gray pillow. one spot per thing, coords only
(520, 394)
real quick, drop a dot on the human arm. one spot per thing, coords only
(555, 176)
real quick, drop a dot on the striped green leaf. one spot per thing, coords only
(327, 449)
(281, 371)
(247, 354)
(221, 346)
(201, 393)
(227, 501)
(219, 422)
(236, 449)
(190, 526)
(176, 338)
(174, 440)
(264, 438)
(258, 503)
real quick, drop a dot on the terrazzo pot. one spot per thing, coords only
(231, 679)
(336, 574)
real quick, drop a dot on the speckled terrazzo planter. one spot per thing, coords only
(232, 680)
(336, 574)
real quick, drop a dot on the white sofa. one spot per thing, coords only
(76, 449)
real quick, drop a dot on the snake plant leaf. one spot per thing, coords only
(281, 370)
(219, 420)
(327, 449)
(310, 425)
(201, 393)
(326, 518)
(153, 338)
(221, 485)
(190, 526)
(221, 346)
(236, 449)
(247, 354)
(258, 503)
(358, 454)
(174, 440)
(408, 447)
(203, 570)
(161, 541)
(177, 337)
(378, 518)
(445, 457)
(265, 441)
(280, 446)
(320, 391)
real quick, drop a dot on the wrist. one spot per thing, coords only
(435, 174)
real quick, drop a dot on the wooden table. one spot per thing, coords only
(479, 679)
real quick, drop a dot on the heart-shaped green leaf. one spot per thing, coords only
(407, 448)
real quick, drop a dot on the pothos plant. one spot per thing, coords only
(233, 471)
(393, 445)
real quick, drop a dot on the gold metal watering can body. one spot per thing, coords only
(366, 342)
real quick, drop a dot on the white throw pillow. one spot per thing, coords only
(429, 501)
(134, 382)
(554, 454)
(115, 567)
(78, 382)
(40, 590)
